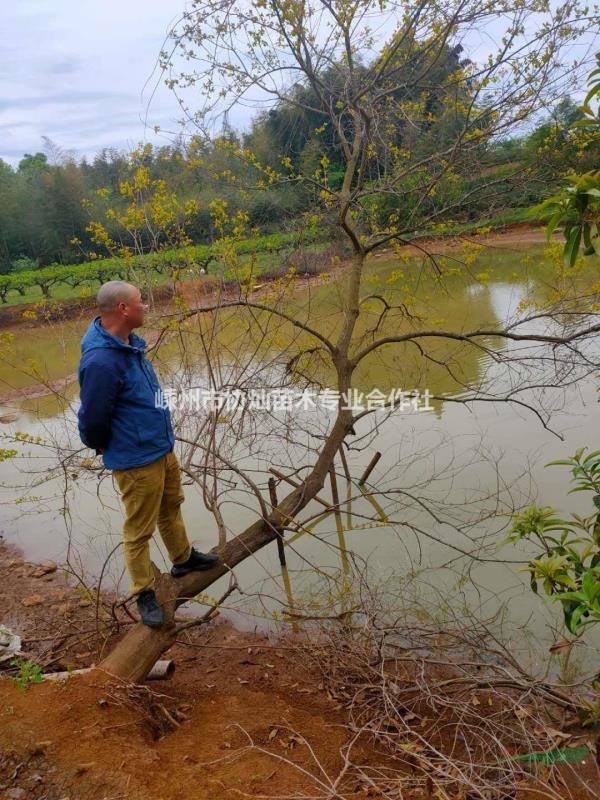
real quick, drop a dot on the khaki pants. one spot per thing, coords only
(152, 495)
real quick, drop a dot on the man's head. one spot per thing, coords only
(120, 305)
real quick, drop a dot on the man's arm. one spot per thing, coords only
(100, 381)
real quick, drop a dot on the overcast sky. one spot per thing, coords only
(81, 73)
(74, 70)
(77, 71)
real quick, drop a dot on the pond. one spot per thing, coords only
(447, 480)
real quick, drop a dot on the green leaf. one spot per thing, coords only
(566, 755)
(591, 94)
(575, 622)
(550, 227)
(589, 584)
(572, 614)
(570, 597)
(571, 250)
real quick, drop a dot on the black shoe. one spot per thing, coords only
(196, 561)
(150, 609)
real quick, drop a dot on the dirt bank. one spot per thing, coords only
(245, 715)
(88, 740)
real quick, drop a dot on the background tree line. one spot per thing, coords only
(50, 201)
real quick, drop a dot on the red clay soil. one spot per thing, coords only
(235, 720)
(89, 738)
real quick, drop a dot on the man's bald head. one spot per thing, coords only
(121, 308)
(112, 293)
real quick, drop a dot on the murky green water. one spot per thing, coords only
(447, 479)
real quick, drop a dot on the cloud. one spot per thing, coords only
(75, 71)
(65, 98)
(65, 66)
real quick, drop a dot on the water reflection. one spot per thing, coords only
(43, 354)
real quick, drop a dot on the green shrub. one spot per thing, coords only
(28, 672)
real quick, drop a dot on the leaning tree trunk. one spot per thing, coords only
(137, 652)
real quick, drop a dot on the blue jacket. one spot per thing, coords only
(121, 411)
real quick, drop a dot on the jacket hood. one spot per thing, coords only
(96, 337)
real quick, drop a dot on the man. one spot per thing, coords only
(121, 418)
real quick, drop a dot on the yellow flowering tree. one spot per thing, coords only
(145, 217)
(408, 139)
